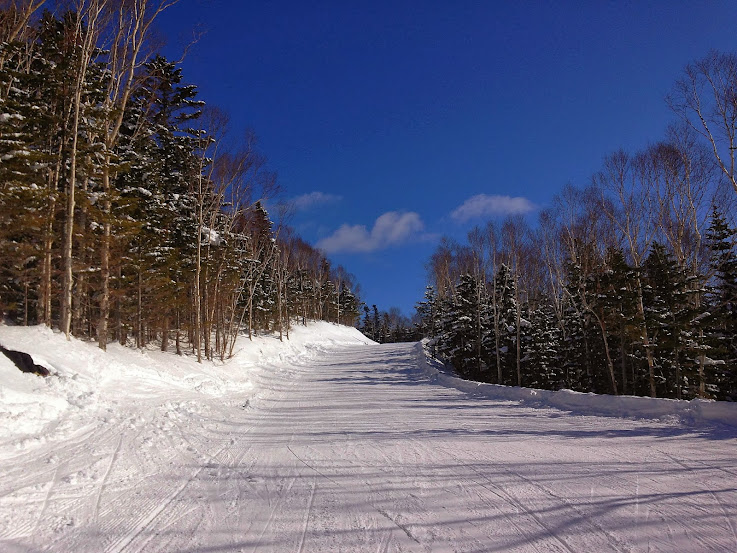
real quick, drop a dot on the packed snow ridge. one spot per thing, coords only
(90, 384)
(329, 442)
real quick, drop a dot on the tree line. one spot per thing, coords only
(625, 286)
(388, 326)
(125, 213)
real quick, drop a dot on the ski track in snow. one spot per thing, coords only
(359, 449)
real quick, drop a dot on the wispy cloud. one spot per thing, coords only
(313, 199)
(483, 205)
(389, 229)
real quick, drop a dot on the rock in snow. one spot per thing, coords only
(24, 362)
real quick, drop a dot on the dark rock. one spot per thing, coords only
(24, 362)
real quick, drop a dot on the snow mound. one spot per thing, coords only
(696, 411)
(304, 342)
(89, 386)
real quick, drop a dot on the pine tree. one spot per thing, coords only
(156, 150)
(23, 195)
(576, 347)
(721, 296)
(618, 304)
(427, 312)
(542, 359)
(467, 330)
(666, 315)
(349, 305)
(501, 337)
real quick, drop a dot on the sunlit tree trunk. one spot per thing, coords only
(88, 17)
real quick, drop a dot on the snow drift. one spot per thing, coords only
(89, 385)
(696, 411)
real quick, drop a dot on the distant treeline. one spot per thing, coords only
(388, 326)
(626, 286)
(124, 212)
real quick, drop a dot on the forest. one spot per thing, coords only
(625, 286)
(125, 212)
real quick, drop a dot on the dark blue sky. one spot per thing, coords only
(393, 114)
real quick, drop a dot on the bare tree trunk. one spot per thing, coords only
(46, 280)
(80, 291)
(519, 329)
(88, 14)
(205, 323)
(177, 337)
(622, 345)
(139, 308)
(610, 365)
(645, 338)
(286, 306)
(702, 362)
(67, 259)
(479, 329)
(102, 325)
(25, 303)
(197, 303)
(279, 304)
(121, 332)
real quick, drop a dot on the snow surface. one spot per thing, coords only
(329, 442)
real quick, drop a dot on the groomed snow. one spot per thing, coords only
(696, 411)
(90, 384)
(328, 442)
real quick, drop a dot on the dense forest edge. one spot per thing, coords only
(125, 212)
(625, 286)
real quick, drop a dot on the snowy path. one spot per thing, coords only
(358, 450)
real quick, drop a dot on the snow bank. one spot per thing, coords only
(25, 405)
(89, 386)
(696, 411)
(304, 342)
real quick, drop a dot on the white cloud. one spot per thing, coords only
(389, 229)
(483, 205)
(308, 201)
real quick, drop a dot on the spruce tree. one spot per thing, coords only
(620, 311)
(503, 348)
(23, 194)
(575, 347)
(667, 316)
(721, 296)
(542, 359)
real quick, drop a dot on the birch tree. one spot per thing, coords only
(132, 21)
(705, 98)
(635, 218)
(88, 23)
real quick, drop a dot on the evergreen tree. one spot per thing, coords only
(721, 295)
(575, 342)
(666, 315)
(427, 312)
(157, 151)
(542, 358)
(468, 330)
(501, 336)
(349, 305)
(618, 304)
(23, 194)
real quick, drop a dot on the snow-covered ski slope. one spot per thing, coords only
(330, 443)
